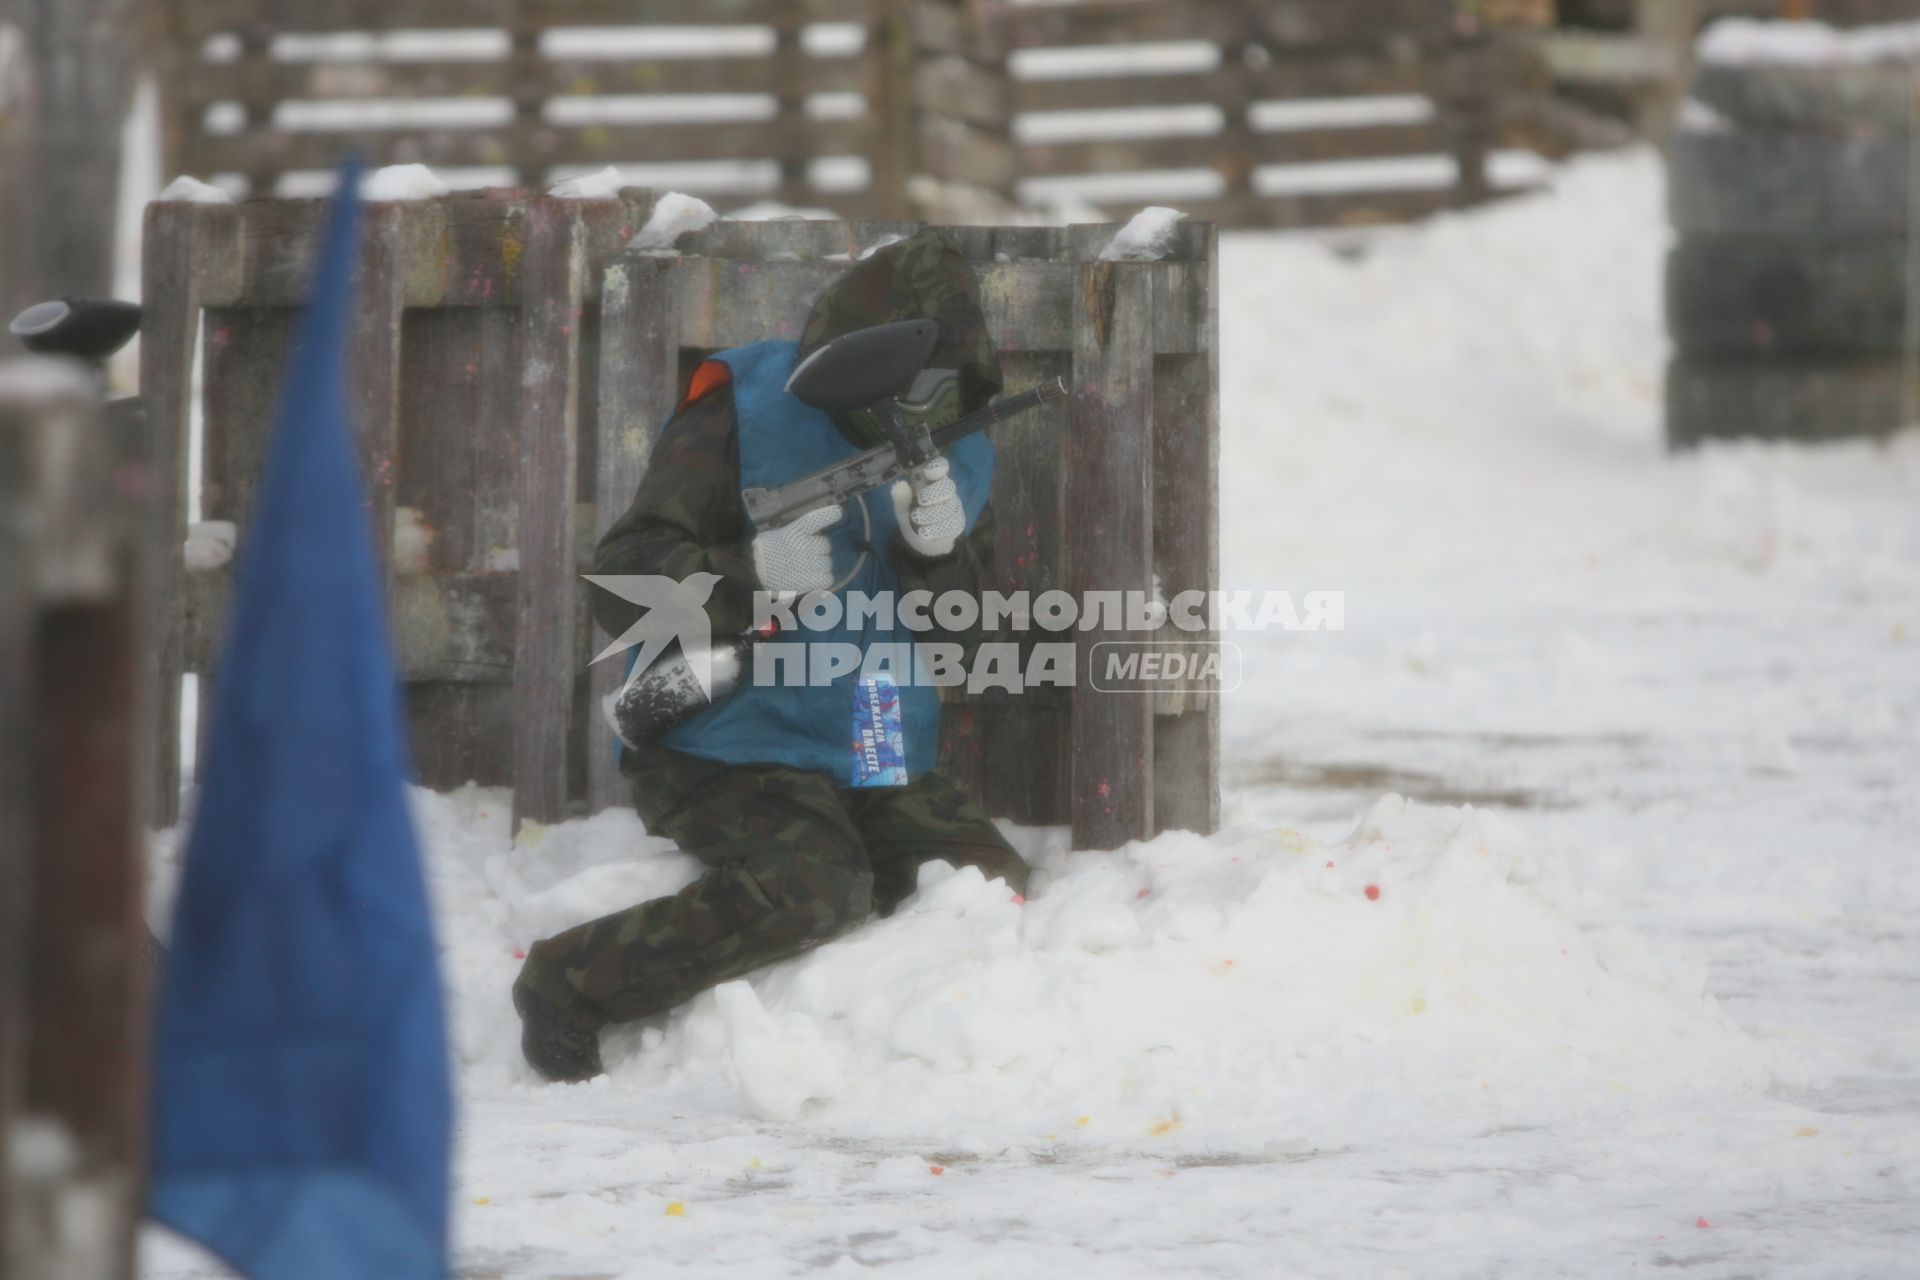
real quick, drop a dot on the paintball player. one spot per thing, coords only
(764, 786)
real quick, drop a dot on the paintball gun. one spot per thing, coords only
(878, 375)
(881, 372)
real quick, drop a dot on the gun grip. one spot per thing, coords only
(759, 503)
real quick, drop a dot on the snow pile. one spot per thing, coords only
(777, 211)
(1146, 237)
(604, 185)
(412, 541)
(673, 216)
(402, 182)
(188, 190)
(1225, 989)
(209, 544)
(1749, 41)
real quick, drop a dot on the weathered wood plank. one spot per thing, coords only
(1318, 74)
(373, 356)
(170, 281)
(1186, 545)
(549, 145)
(243, 351)
(460, 469)
(1304, 146)
(205, 17)
(464, 250)
(554, 290)
(277, 81)
(1109, 530)
(1357, 208)
(1279, 24)
(639, 383)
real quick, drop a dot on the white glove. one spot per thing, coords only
(797, 557)
(929, 511)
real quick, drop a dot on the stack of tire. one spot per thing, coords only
(1790, 279)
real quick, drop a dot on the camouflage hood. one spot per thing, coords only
(920, 278)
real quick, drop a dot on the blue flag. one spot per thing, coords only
(301, 1100)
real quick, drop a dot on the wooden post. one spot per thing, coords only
(171, 282)
(891, 102)
(1109, 514)
(553, 291)
(74, 988)
(639, 382)
(1186, 504)
(62, 107)
(789, 125)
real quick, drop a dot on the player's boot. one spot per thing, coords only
(560, 1044)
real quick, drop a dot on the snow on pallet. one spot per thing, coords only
(513, 364)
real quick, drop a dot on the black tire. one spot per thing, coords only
(1823, 97)
(1777, 295)
(1772, 400)
(1787, 184)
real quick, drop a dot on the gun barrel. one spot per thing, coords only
(1000, 411)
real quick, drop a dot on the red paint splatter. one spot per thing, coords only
(936, 1169)
(518, 954)
(1701, 1223)
(1019, 899)
(1373, 893)
(1141, 894)
(1329, 862)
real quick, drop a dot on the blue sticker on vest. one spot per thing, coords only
(879, 740)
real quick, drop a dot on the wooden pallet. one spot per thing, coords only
(517, 474)
(943, 116)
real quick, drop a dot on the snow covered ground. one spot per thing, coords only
(1626, 981)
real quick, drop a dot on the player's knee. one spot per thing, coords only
(817, 898)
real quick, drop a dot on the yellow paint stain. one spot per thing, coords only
(1419, 1004)
(1293, 841)
(512, 244)
(755, 1163)
(675, 1209)
(483, 1199)
(1164, 1126)
(531, 833)
(1083, 1121)
(1806, 1131)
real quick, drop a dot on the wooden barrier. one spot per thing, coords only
(1305, 112)
(1262, 114)
(72, 880)
(513, 367)
(262, 88)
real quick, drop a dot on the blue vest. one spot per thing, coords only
(807, 727)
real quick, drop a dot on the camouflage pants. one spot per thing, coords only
(792, 860)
